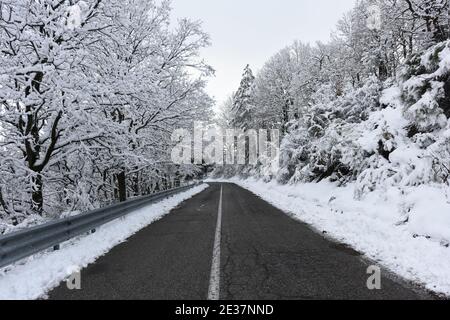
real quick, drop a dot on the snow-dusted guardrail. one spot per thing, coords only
(24, 243)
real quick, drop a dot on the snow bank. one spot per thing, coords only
(37, 275)
(429, 213)
(387, 226)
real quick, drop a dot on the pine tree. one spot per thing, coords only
(243, 101)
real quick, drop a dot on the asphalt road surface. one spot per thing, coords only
(253, 251)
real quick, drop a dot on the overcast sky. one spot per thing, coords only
(251, 31)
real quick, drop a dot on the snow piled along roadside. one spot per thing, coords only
(37, 275)
(407, 231)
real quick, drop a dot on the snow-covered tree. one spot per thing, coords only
(90, 93)
(47, 111)
(243, 104)
(225, 113)
(347, 106)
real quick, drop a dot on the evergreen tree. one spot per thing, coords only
(243, 105)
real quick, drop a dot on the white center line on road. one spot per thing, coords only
(214, 280)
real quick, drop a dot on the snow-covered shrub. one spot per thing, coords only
(322, 144)
(425, 89)
(408, 139)
(295, 152)
(357, 104)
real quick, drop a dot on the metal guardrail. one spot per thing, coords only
(24, 243)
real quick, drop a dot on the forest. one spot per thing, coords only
(90, 92)
(100, 99)
(371, 106)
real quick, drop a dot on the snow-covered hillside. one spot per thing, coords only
(365, 121)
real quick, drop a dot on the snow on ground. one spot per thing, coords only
(407, 231)
(35, 276)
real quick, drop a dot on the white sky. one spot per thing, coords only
(251, 31)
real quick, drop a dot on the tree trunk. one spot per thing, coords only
(288, 104)
(3, 203)
(136, 180)
(37, 195)
(122, 186)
